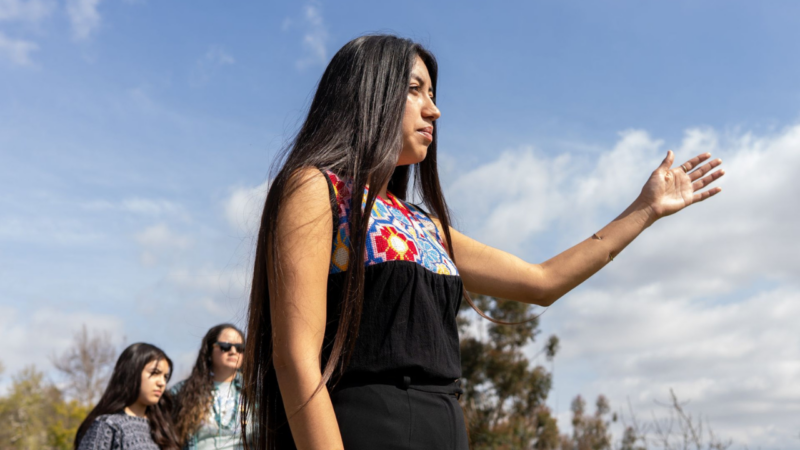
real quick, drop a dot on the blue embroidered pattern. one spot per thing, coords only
(398, 231)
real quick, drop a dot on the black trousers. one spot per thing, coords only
(400, 415)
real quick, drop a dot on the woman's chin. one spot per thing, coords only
(417, 157)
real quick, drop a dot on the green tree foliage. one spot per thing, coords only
(36, 416)
(590, 432)
(504, 394)
(39, 415)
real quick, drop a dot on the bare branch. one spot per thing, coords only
(87, 365)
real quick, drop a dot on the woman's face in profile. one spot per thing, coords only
(420, 115)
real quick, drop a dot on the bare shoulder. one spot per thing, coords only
(307, 183)
(454, 234)
(306, 192)
(306, 205)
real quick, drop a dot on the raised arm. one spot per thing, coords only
(490, 271)
(298, 298)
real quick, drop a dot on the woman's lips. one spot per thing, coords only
(427, 132)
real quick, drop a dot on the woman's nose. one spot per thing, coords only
(431, 111)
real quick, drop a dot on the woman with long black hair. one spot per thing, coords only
(352, 339)
(207, 403)
(133, 413)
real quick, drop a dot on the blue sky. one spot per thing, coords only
(135, 138)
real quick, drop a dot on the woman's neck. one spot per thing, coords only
(136, 410)
(382, 192)
(225, 375)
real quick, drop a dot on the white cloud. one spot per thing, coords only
(244, 206)
(209, 63)
(737, 362)
(84, 17)
(703, 302)
(54, 230)
(161, 236)
(207, 280)
(151, 207)
(531, 183)
(315, 37)
(34, 338)
(30, 11)
(222, 293)
(158, 241)
(140, 206)
(17, 51)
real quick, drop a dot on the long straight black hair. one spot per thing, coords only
(354, 129)
(123, 390)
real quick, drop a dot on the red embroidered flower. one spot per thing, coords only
(396, 245)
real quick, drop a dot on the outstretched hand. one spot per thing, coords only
(669, 190)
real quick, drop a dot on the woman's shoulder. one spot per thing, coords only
(338, 185)
(429, 221)
(102, 433)
(308, 182)
(120, 420)
(176, 388)
(109, 420)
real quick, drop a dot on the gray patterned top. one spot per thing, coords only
(118, 432)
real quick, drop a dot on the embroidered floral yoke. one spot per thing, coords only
(412, 290)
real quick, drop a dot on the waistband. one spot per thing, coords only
(403, 380)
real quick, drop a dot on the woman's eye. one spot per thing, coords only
(414, 88)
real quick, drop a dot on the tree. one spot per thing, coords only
(36, 417)
(679, 430)
(87, 365)
(591, 432)
(37, 414)
(504, 395)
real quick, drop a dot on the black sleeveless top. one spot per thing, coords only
(412, 290)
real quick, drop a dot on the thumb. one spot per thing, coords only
(667, 163)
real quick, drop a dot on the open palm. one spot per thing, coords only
(668, 190)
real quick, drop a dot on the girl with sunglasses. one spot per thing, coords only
(207, 403)
(133, 413)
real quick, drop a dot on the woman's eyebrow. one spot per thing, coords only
(418, 78)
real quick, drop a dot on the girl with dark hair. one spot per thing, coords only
(352, 339)
(207, 403)
(133, 413)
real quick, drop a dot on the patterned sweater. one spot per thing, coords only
(118, 432)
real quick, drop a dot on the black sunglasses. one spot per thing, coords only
(226, 346)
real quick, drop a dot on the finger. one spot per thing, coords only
(699, 197)
(705, 168)
(705, 181)
(667, 163)
(694, 162)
